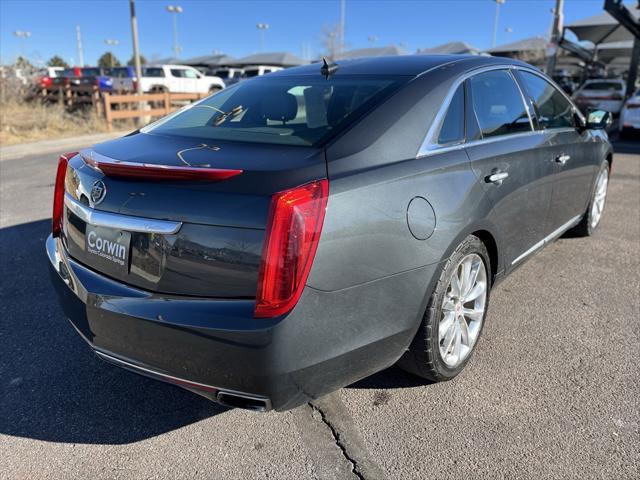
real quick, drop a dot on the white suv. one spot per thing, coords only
(178, 79)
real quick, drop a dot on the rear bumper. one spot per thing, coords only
(215, 347)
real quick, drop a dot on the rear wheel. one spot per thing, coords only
(455, 315)
(593, 215)
(156, 90)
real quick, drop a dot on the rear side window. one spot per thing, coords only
(552, 108)
(152, 72)
(498, 104)
(452, 130)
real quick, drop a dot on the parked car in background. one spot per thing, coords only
(601, 94)
(85, 76)
(178, 79)
(123, 78)
(230, 75)
(259, 70)
(46, 75)
(630, 116)
(298, 232)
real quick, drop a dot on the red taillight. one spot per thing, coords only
(291, 239)
(145, 171)
(613, 96)
(58, 193)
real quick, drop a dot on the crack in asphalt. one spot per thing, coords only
(339, 442)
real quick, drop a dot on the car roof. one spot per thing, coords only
(169, 65)
(410, 65)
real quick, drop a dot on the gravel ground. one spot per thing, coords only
(552, 392)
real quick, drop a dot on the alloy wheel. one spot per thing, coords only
(599, 197)
(463, 310)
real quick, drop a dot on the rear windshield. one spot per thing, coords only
(286, 110)
(603, 86)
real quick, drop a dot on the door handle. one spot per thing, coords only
(562, 159)
(496, 178)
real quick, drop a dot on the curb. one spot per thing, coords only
(61, 145)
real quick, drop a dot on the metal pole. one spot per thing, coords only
(495, 22)
(633, 67)
(176, 52)
(556, 36)
(262, 27)
(136, 50)
(342, 20)
(79, 43)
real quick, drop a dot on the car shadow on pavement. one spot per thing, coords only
(392, 377)
(52, 387)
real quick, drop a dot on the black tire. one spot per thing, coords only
(157, 89)
(214, 89)
(423, 357)
(585, 227)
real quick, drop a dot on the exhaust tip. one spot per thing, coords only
(235, 400)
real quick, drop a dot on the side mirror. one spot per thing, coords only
(599, 119)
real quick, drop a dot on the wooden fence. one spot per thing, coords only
(145, 105)
(73, 95)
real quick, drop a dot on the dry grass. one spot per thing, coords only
(22, 121)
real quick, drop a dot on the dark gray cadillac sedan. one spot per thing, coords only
(300, 231)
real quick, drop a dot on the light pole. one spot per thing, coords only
(113, 43)
(556, 36)
(174, 10)
(342, 22)
(262, 27)
(79, 45)
(495, 22)
(22, 35)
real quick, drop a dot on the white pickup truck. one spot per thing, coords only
(178, 79)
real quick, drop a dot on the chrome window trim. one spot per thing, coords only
(549, 238)
(118, 221)
(430, 146)
(554, 85)
(524, 99)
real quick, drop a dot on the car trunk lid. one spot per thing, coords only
(214, 251)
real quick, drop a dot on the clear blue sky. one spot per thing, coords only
(230, 26)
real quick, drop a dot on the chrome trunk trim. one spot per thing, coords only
(118, 221)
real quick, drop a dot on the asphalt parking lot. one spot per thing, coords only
(552, 392)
